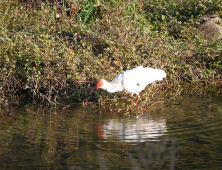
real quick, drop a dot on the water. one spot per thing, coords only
(182, 134)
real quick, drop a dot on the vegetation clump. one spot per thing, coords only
(55, 52)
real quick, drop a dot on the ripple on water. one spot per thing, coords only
(193, 116)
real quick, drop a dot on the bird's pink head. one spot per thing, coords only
(99, 84)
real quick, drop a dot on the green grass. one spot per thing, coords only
(39, 57)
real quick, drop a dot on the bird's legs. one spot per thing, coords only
(137, 99)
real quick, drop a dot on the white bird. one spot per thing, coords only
(131, 81)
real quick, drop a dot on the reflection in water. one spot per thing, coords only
(153, 155)
(187, 132)
(139, 130)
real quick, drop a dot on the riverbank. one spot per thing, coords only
(55, 54)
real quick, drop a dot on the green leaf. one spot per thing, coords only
(163, 17)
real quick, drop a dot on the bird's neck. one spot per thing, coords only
(109, 87)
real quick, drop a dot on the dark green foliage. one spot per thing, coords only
(89, 11)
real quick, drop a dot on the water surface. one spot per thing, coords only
(182, 134)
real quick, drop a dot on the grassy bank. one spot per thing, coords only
(56, 53)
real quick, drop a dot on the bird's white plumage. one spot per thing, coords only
(134, 81)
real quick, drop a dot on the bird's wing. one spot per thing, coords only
(131, 80)
(137, 79)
